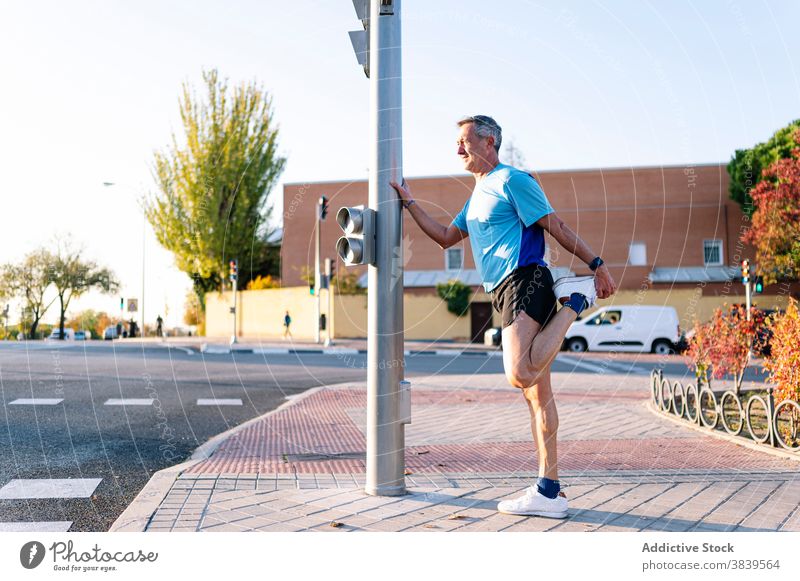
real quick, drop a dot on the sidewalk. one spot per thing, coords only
(623, 468)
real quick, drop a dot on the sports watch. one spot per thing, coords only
(595, 264)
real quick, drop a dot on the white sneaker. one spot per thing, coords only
(567, 285)
(533, 503)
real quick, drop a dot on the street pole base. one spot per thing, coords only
(233, 340)
(386, 490)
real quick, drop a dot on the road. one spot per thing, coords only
(85, 425)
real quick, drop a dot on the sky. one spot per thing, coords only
(90, 92)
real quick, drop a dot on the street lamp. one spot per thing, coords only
(144, 230)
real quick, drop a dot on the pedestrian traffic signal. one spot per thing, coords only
(745, 271)
(360, 38)
(758, 284)
(357, 246)
(311, 287)
(234, 268)
(323, 207)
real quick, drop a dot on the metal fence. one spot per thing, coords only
(751, 415)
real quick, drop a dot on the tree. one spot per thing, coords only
(457, 296)
(91, 320)
(73, 276)
(29, 281)
(783, 362)
(513, 155)
(193, 310)
(775, 230)
(213, 187)
(745, 168)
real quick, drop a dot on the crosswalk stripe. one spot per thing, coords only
(219, 402)
(37, 401)
(129, 402)
(23, 489)
(36, 527)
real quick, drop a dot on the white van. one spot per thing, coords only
(69, 334)
(637, 328)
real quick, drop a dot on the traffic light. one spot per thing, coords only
(234, 268)
(360, 38)
(758, 284)
(357, 246)
(311, 287)
(323, 207)
(745, 271)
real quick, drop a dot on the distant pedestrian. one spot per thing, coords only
(159, 327)
(287, 321)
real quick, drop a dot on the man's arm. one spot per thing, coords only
(564, 235)
(444, 236)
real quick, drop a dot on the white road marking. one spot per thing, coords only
(268, 351)
(37, 401)
(49, 488)
(129, 402)
(219, 402)
(35, 527)
(583, 364)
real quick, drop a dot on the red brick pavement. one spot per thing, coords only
(316, 435)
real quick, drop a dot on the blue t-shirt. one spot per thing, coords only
(500, 219)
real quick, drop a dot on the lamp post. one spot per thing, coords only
(144, 230)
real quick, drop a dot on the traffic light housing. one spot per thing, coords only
(758, 284)
(745, 271)
(234, 269)
(357, 246)
(323, 207)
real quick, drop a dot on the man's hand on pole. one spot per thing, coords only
(604, 283)
(403, 192)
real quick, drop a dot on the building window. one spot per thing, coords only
(637, 254)
(712, 252)
(453, 258)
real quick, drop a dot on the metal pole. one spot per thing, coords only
(385, 432)
(317, 284)
(329, 325)
(144, 227)
(235, 306)
(747, 295)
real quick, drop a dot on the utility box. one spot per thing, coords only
(404, 403)
(492, 337)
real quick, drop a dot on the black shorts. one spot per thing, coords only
(528, 289)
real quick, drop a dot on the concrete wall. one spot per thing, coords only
(261, 315)
(426, 316)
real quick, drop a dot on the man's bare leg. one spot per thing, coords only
(544, 424)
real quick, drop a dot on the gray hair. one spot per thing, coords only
(485, 126)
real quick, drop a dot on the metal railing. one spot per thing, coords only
(754, 416)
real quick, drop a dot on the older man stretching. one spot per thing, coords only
(506, 217)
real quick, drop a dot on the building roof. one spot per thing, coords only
(693, 274)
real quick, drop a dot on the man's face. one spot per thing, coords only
(474, 150)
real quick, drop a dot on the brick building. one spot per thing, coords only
(656, 227)
(669, 235)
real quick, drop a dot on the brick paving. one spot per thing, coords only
(623, 468)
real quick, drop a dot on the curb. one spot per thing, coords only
(723, 436)
(136, 517)
(215, 350)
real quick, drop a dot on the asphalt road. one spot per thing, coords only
(82, 437)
